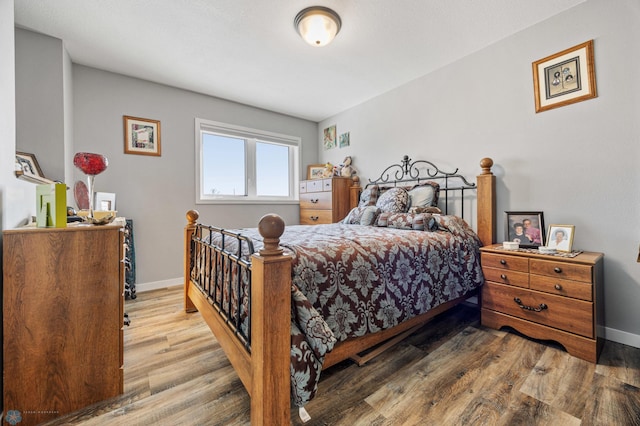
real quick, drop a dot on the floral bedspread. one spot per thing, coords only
(351, 280)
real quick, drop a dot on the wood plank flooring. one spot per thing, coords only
(451, 372)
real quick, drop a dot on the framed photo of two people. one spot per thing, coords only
(526, 228)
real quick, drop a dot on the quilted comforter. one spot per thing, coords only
(351, 280)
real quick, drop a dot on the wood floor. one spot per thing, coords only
(451, 372)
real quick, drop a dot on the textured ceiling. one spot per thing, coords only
(248, 51)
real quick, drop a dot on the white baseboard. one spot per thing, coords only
(612, 334)
(155, 285)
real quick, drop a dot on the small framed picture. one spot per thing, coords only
(29, 164)
(565, 78)
(105, 201)
(329, 137)
(141, 136)
(315, 171)
(560, 237)
(525, 228)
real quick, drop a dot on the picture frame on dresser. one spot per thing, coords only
(560, 237)
(525, 228)
(315, 171)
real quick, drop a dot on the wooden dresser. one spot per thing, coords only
(324, 200)
(545, 297)
(63, 319)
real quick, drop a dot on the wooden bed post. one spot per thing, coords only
(486, 203)
(192, 219)
(271, 328)
(354, 192)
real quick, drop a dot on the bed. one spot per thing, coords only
(286, 302)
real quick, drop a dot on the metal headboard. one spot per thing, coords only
(408, 171)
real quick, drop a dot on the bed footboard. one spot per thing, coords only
(261, 358)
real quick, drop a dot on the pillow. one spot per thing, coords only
(362, 216)
(430, 209)
(417, 222)
(369, 196)
(424, 195)
(393, 200)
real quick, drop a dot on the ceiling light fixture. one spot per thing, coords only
(317, 25)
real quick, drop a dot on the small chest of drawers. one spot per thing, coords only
(324, 200)
(545, 297)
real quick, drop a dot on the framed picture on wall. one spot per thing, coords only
(565, 78)
(329, 137)
(141, 136)
(525, 228)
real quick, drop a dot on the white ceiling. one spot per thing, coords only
(248, 51)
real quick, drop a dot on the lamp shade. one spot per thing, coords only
(317, 25)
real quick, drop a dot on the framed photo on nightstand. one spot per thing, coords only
(560, 237)
(525, 228)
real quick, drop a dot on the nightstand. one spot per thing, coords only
(546, 297)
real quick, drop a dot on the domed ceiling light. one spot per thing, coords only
(317, 25)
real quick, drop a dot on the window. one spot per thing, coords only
(240, 165)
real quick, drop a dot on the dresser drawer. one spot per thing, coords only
(315, 200)
(313, 185)
(572, 315)
(575, 289)
(513, 263)
(563, 270)
(520, 279)
(315, 217)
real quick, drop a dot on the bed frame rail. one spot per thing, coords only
(222, 275)
(263, 366)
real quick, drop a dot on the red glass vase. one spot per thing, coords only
(91, 164)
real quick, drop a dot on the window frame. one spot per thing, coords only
(251, 137)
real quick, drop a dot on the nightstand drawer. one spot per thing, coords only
(314, 217)
(563, 270)
(315, 200)
(575, 289)
(500, 261)
(519, 279)
(574, 316)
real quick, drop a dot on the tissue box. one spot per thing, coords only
(51, 205)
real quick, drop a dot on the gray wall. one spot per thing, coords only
(40, 100)
(578, 164)
(17, 197)
(156, 192)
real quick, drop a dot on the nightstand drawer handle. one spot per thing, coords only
(557, 270)
(557, 287)
(503, 262)
(530, 308)
(314, 201)
(314, 218)
(503, 276)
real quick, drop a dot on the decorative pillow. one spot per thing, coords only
(424, 194)
(362, 216)
(393, 200)
(430, 209)
(369, 196)
(417, 222)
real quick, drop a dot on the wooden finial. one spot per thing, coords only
(192, 217)
(486, 164)
(271, 227)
